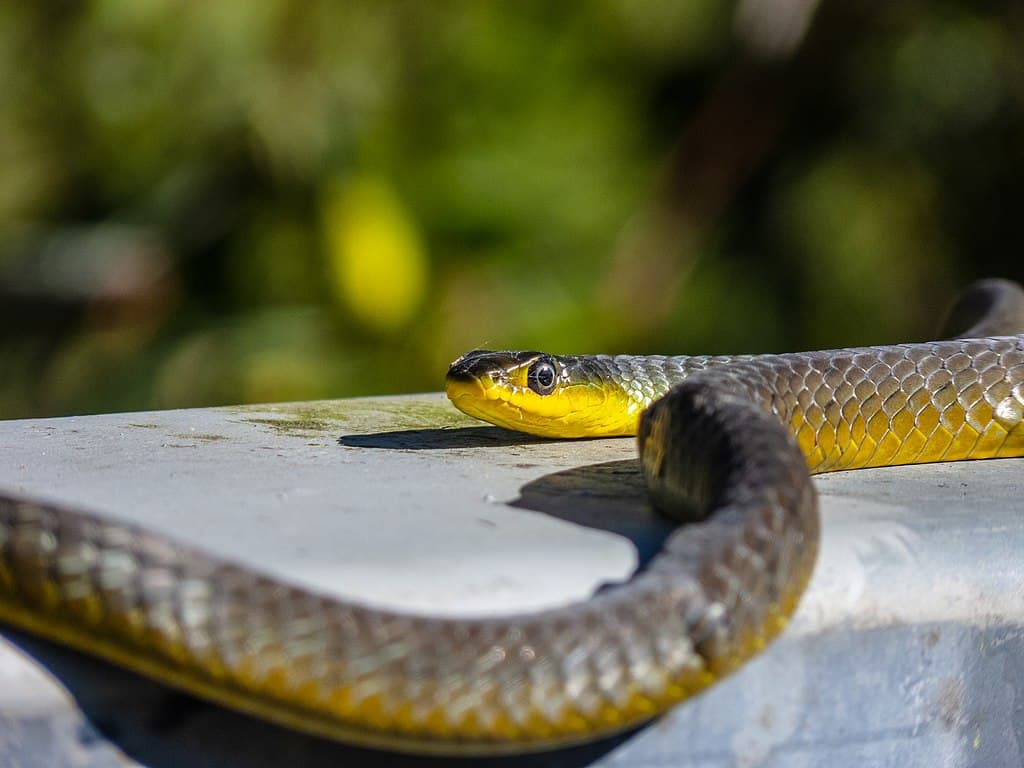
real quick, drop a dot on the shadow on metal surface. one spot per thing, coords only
(610, 496)
(161, 727)
(438, 439)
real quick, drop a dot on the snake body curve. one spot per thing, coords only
(729, 450)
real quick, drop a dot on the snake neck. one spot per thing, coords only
(635, 380)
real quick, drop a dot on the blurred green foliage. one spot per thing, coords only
(214, 202)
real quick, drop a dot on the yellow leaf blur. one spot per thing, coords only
(376, 260)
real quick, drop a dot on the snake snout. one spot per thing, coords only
(478, 364)
(488, 367)
(475, 377)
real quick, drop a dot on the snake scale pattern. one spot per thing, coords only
(728, 451)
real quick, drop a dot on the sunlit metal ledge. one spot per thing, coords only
(907, 650)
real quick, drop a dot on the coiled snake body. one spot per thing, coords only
(728, 450)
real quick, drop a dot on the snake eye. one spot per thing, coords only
(541, 377)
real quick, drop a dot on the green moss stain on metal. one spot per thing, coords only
(354, 416)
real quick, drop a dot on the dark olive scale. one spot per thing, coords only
(645, 378)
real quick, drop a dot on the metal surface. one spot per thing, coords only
(906, 651)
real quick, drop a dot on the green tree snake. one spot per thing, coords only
(727, 444)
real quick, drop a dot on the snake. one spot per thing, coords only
(727, 446)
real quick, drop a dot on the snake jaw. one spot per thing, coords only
(487, 400)
(493, 386)
(478, 384)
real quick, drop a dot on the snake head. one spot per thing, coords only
(542, 394)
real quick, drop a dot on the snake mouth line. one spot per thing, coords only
(472, 388)
(483, 398)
